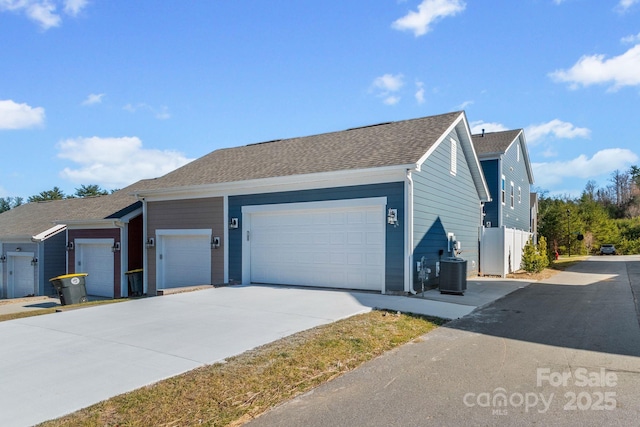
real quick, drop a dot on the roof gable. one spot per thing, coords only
(492, 145)
(400, 143)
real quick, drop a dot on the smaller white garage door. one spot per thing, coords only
(21, 275)
(96, 258)
(324, 246)
(183, 258)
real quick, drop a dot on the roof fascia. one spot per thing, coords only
(91, 223)
(279, 184)
(525, 154)
(482, 186)
(49, 233)
(435, 145)
(22, 238)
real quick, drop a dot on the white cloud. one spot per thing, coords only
(429, 12)
(556, 128)
(19, 116)
(115, 162)
(478, 125)
(386, 86)
(626, 4)
(93, 98)
(389, 82)
(161, 113)
(602, 163)
(619, 71)
(43, 12)
(74, 7)
(464, 105)
(392, 100)
(633, 39)
(419, 95)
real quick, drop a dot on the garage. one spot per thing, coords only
(183, 258)
(96, 258)
(336, 244)
(21, 275)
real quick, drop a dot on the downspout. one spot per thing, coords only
(124, 255)
(500, 205)
(145, 249)
(409, 247)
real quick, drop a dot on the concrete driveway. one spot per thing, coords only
(56, 364)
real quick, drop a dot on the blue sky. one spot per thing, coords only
(110, 91)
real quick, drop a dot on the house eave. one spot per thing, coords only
(282, 183)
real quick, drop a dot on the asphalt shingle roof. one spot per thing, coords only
(387, 144)
(494, 142)
(31, 219)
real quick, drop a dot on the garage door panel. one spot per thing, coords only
(341, 247)
(186, 260)
(97, 260)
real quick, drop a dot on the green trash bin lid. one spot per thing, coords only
(137, 270)
(68, 276)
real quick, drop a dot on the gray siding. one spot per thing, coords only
(394, 192)
(515, 171)
(11, 247)
(52, 262)
(445, 203)
(187, 214)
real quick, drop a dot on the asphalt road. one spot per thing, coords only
(561, 352)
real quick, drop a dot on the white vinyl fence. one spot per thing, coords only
(501, 250)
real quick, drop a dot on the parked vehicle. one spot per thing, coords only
(607, 250)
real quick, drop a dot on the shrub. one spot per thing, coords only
(534, 258)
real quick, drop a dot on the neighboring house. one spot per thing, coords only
(105, 240)
(101, 236)
(353, 209)
(507, 223)
(32, 248)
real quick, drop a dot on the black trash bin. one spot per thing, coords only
(453, 276)
(71, 288)
(134, 278)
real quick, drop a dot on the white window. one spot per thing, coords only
(454, 157)
(503, 190)
(519, 194)
(512, 196)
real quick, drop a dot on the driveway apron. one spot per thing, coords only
(56, 364)
(562, 352)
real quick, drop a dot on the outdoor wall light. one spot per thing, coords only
(3, 258)
(233, 223)
(70, 246)
(115, 247)
(215, 242)
(18, 249)
(150, 242)
(34, 261)
(392, 216)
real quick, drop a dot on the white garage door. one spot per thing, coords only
(184, 260)
(21, 276)
(339, 247)
(97, 260)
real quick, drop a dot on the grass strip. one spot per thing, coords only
(247, 385)
(40, 312)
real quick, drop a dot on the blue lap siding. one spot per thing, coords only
(443, 203)
(394, 264)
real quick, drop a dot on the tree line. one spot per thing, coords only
(609, 215)
(91, 190)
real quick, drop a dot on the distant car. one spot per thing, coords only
(607, 250)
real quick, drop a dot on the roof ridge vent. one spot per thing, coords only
(263, 142)
(370, 126)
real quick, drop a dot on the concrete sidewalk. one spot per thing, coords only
(56, 364)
